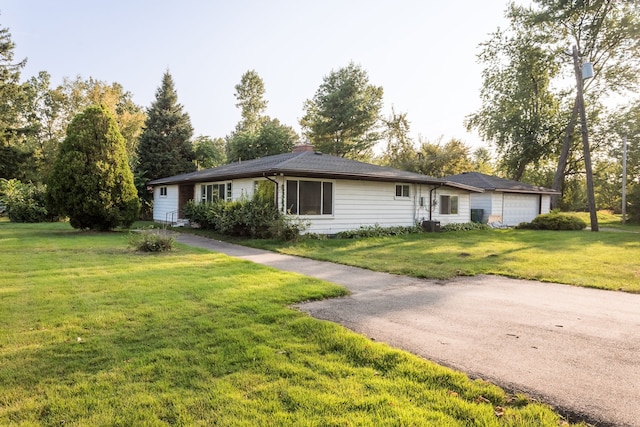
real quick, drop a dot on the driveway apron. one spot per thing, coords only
(574, 348)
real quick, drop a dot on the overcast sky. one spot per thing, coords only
(422, 52)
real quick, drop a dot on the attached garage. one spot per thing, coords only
(519, 208)
(505, 201)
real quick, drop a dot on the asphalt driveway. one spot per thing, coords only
(574, 348)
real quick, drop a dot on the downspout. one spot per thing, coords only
(276, 191)
(431, 200)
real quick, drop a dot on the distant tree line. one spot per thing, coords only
(527, 116)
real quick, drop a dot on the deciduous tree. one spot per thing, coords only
(250, 95)
(271, 138)
(209, 152)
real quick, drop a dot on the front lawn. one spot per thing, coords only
(606, 259)
(95, 334)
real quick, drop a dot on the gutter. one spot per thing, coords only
(431, 200)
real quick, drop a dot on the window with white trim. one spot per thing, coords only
(163, 191)
(448, 205)
(402, 190)
(213, 192)
(309, 197)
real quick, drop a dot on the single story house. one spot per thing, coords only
(332, 193)
(505, 201)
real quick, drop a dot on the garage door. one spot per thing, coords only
(519, 208)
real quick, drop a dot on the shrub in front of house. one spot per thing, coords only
(554, 221)
(465, 226)
(255, 218)
(378, 231)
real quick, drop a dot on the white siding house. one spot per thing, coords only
(505, 201)
(332, 194)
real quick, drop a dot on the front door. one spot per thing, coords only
(186, 192)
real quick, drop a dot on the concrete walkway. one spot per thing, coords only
(576, 349)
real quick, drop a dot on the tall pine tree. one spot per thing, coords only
(13, 154)
(165, 147)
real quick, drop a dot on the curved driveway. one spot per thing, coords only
(574, 348)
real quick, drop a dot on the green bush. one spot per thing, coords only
(465, 226)
(151, 240)
(378, 231)
(255, 218)
(554, 221)
(24, 202)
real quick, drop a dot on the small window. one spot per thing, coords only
(449, 205)
(229, 192)
(402, 190)
(163, 191)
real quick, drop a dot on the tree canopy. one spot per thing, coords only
(91, 181)
(529, 108)
(250, 95)
(343, 117)
(256, 135)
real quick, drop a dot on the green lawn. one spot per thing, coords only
(606, 259)
(95, 334)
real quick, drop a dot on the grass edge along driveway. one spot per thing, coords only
(95, 334)
(603, 260)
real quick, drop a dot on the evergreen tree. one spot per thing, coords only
(165, 147)
(13, 154)
(91, 181)
(344, 115)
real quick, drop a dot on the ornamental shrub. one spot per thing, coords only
(24, 202)
(91, 181)
(255, 218)
(554, 221)
(378, 231)
(465, 226)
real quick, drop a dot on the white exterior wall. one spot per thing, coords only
(361, 203)
(484, 201)
(355, 204)
(510, 208)
(366, 203)
(464, 206)
(163, 206)
(546, 204)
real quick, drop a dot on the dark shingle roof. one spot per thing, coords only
(307, 164)
(493, 183)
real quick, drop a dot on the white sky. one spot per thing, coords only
(422, 52)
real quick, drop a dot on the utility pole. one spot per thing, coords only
(624, 180)
(585, 141)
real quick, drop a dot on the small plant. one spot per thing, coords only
(378, 231)
(554, 221)
(466, 226)
(151, 240)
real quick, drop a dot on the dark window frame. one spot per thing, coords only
(310, 197)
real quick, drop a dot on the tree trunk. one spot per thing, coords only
(558, 178)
